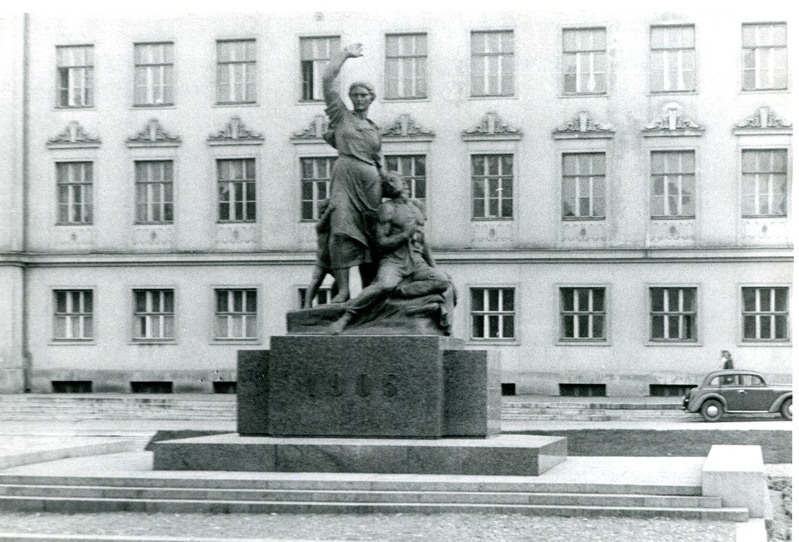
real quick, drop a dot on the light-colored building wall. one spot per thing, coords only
(536, 252)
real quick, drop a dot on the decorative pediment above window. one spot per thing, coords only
(405, 128)
(313, 133)
(673, 123)
(492, 128)
(236, 133)
(153, 135)
(73, 137)
(582, 127)
(763, 122)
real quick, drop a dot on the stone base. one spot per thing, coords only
(368, 386)
(504, 455)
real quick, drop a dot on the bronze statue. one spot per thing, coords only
(407, 269)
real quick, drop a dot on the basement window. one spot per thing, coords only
(508, 388)
(224, 387)
(151, 387)
(582, 390)
(669, 390)
(71, 386)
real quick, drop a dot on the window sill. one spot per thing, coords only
(686, 217)
(225, 342)
(586, 95)
(583, 218)
(764, 91)
(585, 342)
(778, 343)
(153, 106)
(659, 93)
(406, 100)
(74, 107)
(497, 342)
(237, 104)
(84, 224)
(762, 217)
(493, 219)
(234, 222)
(72, 342)
(172, 342)
(309, 102)
(680, 344)
(497, 97)
(145, 224)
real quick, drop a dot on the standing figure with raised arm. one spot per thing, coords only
(355, 192)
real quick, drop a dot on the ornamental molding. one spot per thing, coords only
(153, 135)
(764, 121)
(405, 127)
(73, 137)
(673, 123)
(492, 128)
(236, 132)
(313, 133)
(583, 127)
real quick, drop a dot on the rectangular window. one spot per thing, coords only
(582, 314)
(492, 63)
(493, 313)
(154, 192)
(316, 175)
(235, 71)
(672, 58)
(765, 314)
(236, 181)
(236, 314)
(672, 314)
(154, 315)
(153, 73)
(75, 75)
(323, 296)
(74, 315)
(584, 185)
(765, 56)
(315, 53)
(673, 184)
(413, 169)
(492, 186)
(74, 181)
(764, 182)
(584, 61)
(406, 66)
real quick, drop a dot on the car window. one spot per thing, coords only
(728, 380)
(752, 380)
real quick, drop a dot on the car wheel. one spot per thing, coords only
(787, 409)
(711, 410)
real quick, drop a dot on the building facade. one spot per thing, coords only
(611, 193)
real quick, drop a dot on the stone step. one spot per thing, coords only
(313, 482)
(77, 505)
(349, 496)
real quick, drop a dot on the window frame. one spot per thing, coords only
(743, 49)
(563, 155)
(82, 316)
(670, 150)
(91, 79)
(147, 159)
(695, 71)
(501, 313)
(743, 340)
(218, 182)
(563, 63)
(315, 187)
(169, 76)
(664, 341)
(472, 199)
(302, 99)
(256, 315)
(253, 66)
(412, 179)
(472, 55)
(135, 315)
(788, 167)
(561, 339)
(84, 206)
(414, 59)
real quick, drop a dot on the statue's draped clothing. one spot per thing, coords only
(355, 192)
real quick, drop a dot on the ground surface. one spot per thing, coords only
(383, 527)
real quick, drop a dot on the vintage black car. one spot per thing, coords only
(738, 392)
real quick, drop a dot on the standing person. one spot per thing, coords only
(726, 360)
(355, 191)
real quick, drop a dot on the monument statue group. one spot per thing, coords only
(372, 382)
(385, 240)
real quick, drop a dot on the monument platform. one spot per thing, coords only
(504, 455)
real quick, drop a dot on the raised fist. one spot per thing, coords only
(354, 50)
